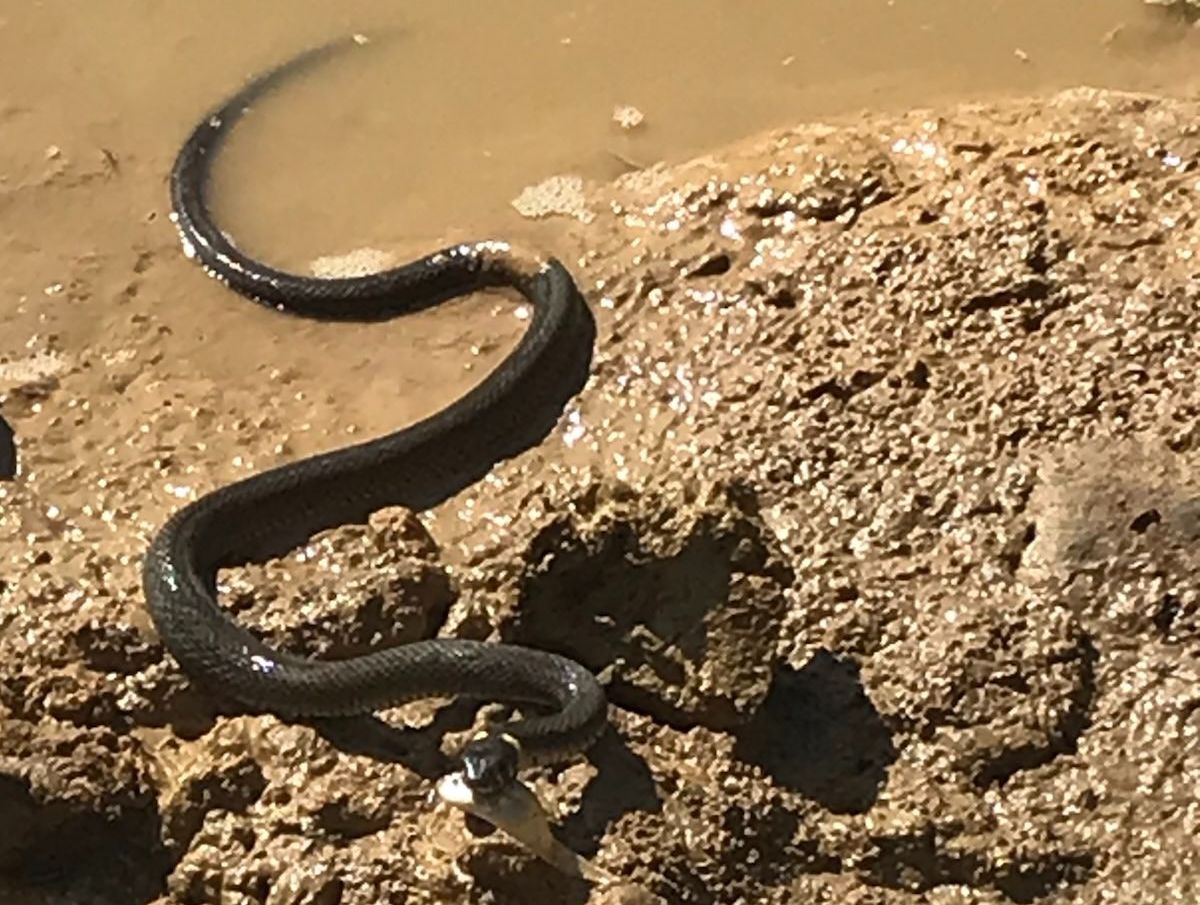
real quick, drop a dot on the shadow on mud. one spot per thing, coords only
(819, 735)
(56, 853)
(623, 784)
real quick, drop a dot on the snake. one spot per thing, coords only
(8, 452)
(559, 707)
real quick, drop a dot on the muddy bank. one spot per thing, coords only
(879, 514)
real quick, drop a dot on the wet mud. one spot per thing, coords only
(879, 516)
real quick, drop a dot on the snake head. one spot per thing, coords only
(490, 763)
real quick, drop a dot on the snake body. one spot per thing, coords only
(418, 467)
(8, 452)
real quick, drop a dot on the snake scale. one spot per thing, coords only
(419, 466)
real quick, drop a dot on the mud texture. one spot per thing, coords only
(880, 516)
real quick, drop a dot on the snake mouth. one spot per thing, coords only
(516, 810)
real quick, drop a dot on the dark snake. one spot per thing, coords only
(8, 452)
(563, 706)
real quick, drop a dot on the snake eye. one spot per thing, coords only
(489, 764)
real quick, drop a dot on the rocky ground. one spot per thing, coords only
(880, 515)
